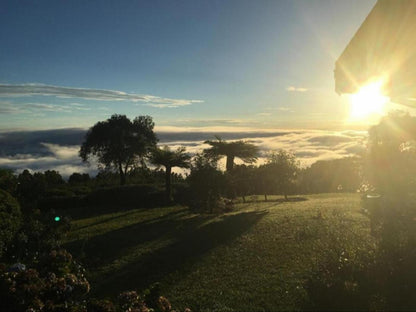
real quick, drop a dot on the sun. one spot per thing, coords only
(368, 102)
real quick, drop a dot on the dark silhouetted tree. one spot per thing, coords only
(280, 172)
(53, 178)
(247, 152)
(332, 175)
(119, 143)
(206, 183)
(391, 160)
(79, 178)
(170, 159)
(241, 181)
(8, 181)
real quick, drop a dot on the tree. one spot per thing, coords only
(78, 178)
(169, 159)
(280, 171)
(8, 181)
(119, 143)
(206, 183)
(333, 175)
(247, 152)
(391, 159)
(53, 178)
(241, 181)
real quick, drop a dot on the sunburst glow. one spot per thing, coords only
(368, 102)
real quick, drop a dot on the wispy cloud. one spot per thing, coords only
(21, 90)
(32, 108)
(296, 89)
(263, 114)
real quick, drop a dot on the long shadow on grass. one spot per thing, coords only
(98, 250)
(129, 212)
(195, 237)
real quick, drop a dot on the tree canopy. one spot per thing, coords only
(246, 151)
(169, 159)
(391, 159)
(119, 143)
(279, 173)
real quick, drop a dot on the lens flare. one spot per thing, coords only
(368, 102)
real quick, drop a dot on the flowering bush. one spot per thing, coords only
(56, 283)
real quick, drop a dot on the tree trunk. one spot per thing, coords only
(265, 197)
(285, 197)
(230, 163)
(168, 184)
(122, 175)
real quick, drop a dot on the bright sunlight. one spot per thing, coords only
(368, 101)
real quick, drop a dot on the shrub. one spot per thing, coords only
(393, 225)
(10, 219)
(55, 283)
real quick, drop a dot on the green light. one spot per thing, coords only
(57, 219)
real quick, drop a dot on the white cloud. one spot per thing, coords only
(263, 114)
(308, 145)
(296, 89)
(20, 90)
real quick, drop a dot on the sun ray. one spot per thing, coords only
(368, 102)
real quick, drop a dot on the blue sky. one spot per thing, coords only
(188, 64)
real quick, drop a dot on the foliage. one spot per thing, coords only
(53, 178)
(170, 159)
(119, 143)
(78, 178)
(393, 225)
(30, 189)
(10, 219)
(332, 176)
(241, 181)
(279, 173)
(391, 160)
(8, 181)
(246, 151)
(54, 283)
(206, 184)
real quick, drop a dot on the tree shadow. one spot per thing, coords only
(129, 212)
(193, 237)
(102, 249)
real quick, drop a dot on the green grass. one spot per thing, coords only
(256, 258)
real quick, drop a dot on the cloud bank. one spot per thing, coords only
(58, 149)
(21, 90)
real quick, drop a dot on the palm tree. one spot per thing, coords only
(247, 152)
(169, 159)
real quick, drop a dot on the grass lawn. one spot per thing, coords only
(256, 258)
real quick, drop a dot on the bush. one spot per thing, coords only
(393, 225)
(55, 283)
(10, 219)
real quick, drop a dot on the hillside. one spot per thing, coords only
(258, 257)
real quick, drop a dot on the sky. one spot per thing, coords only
(191, 65)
